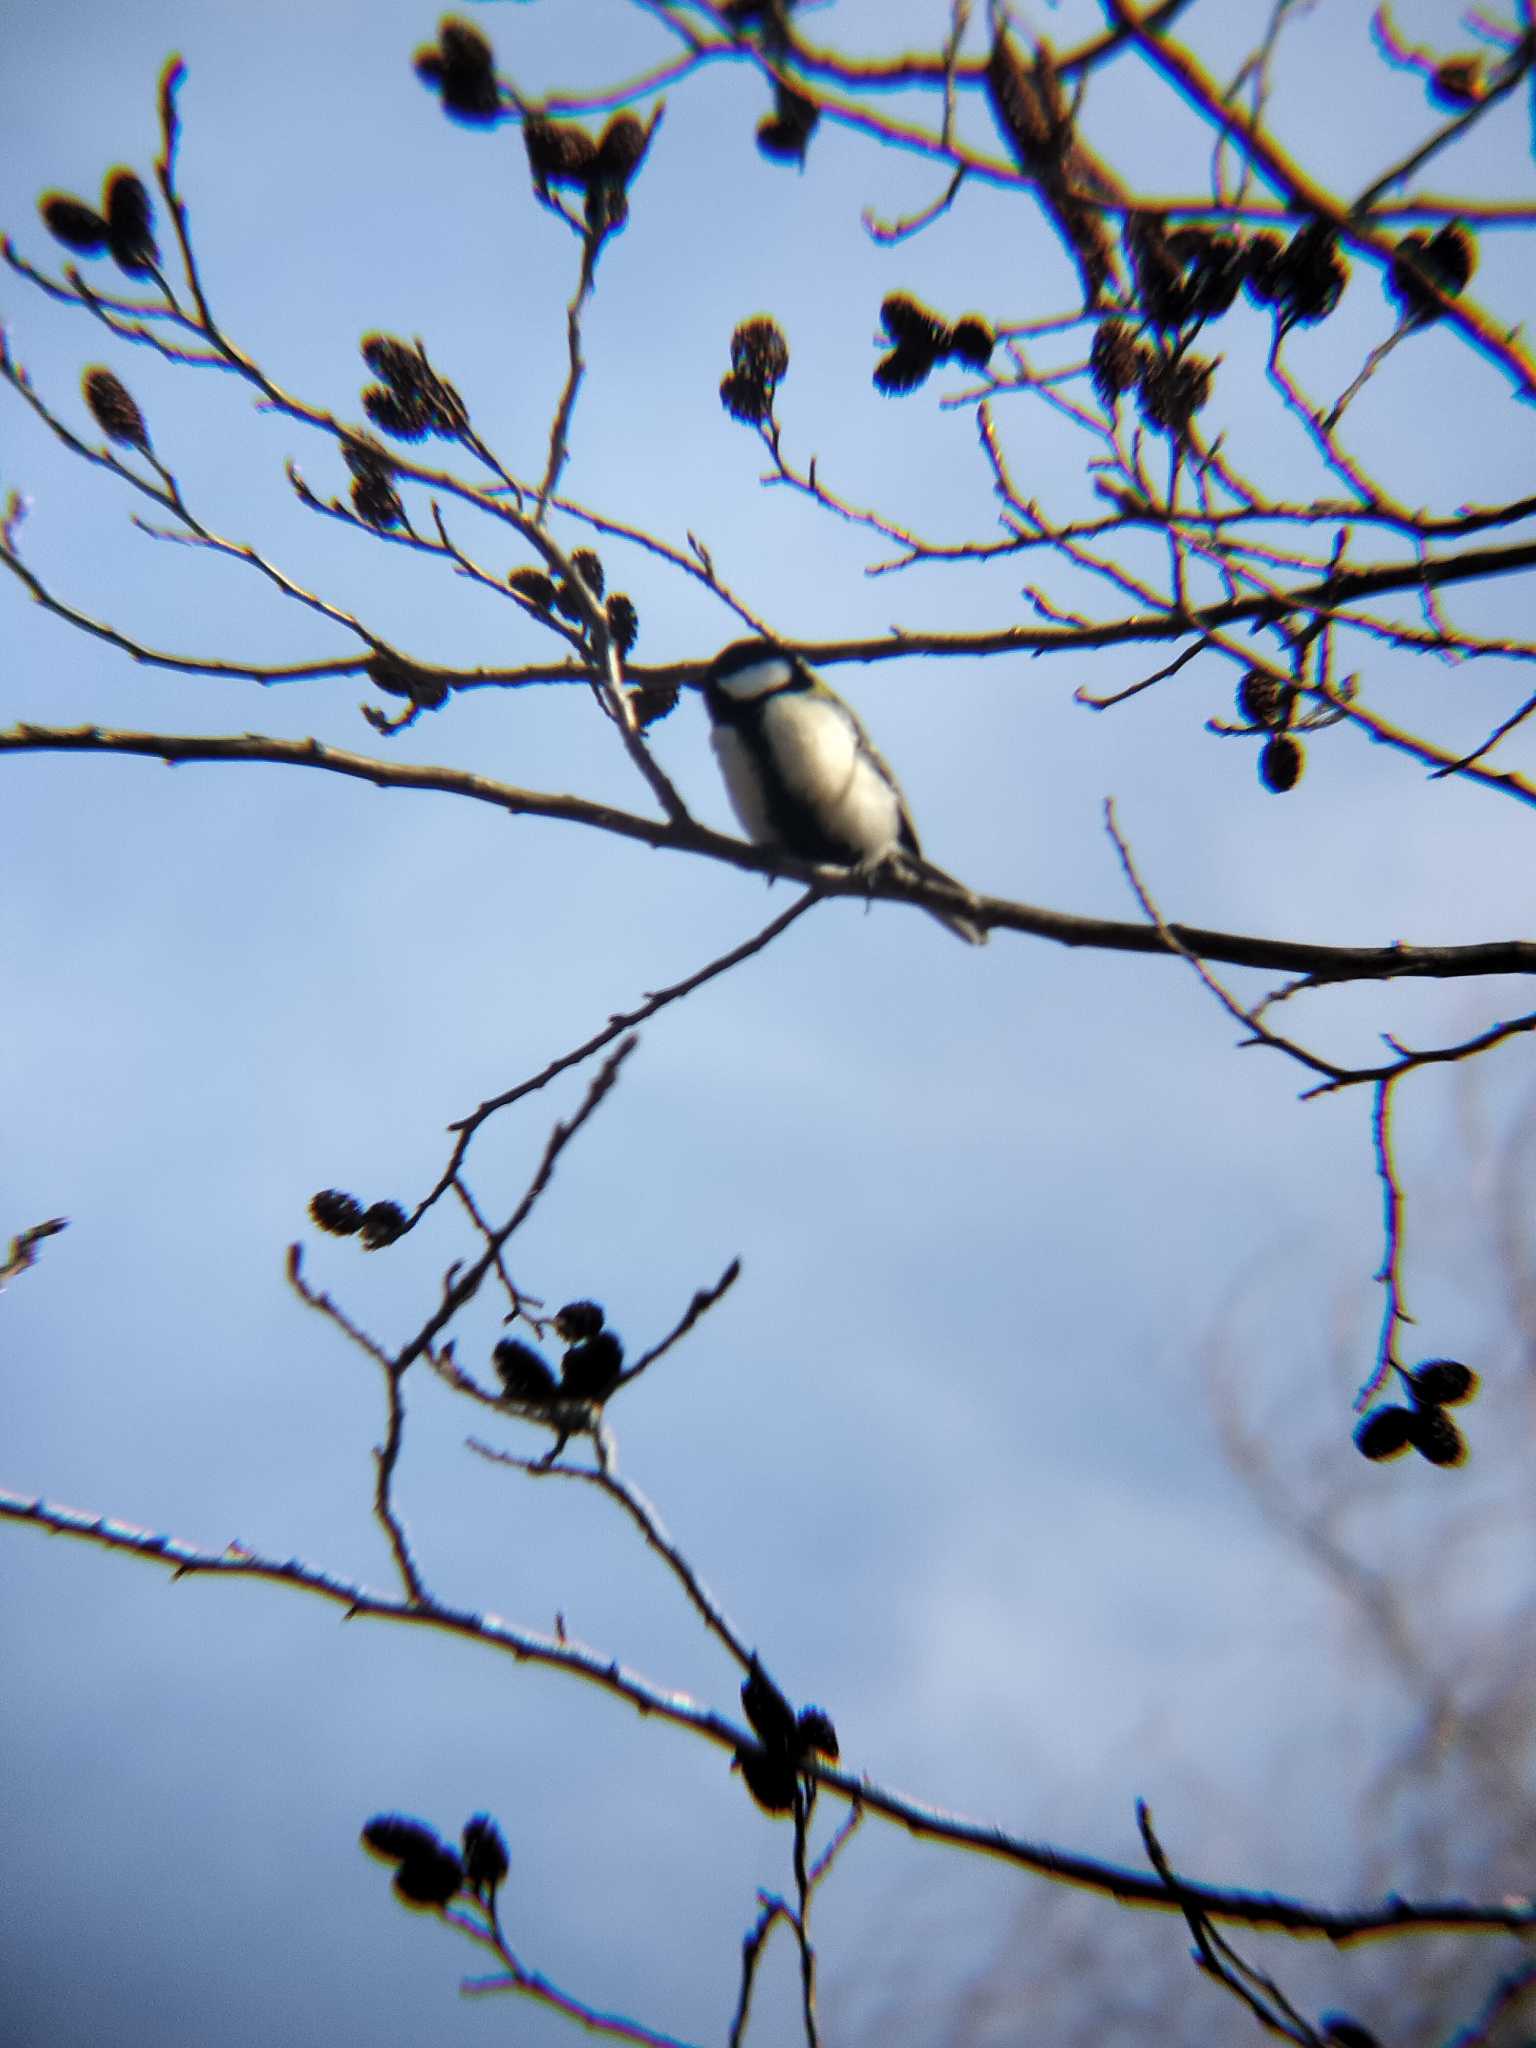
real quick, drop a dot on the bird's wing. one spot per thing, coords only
(906, 830)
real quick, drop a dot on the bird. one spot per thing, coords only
(803, 775)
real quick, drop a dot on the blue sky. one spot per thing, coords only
(948, 1453)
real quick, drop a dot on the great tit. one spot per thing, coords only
(802, 773)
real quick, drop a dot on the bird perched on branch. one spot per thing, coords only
(803, 775)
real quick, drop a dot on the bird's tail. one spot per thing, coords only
(966, 928)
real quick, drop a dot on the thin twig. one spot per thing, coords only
(1392, 1915)
(805, 1806)
(616, 1026)
(648, 1522)
(703, 1300)
(774, 1910)
(387, 1455)
(1325, 964)
(534, 1985)
(23, 1252)
(1389, 1274)
(1215, 1958)
(467, 1285)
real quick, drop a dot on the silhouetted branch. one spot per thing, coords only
(24, 1253)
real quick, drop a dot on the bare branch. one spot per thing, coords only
(1324, 964)
(1485, 334)
(24, 1253)
(648, 1522)
(616, 1026)
(387, 1456)
(1274, 2014)
(1252, 1909)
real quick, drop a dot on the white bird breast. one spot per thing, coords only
(816, 752)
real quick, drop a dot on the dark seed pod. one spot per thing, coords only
(904, 369)
(113, 409)
(1114, 360)
(590, 569)
(339, 1213)
(623, 622)
(1262, 256)
(382, 1223)
(431, 1878)
(1310, 277)
(447, 414)
(1428, 269)
(1417, 300)
(779, 141)
(771, 1715)
(815, 1734)
(1028, 105)
(578, 1320)
(1264, 700)
(406, 418)
(759, 359)
(72, 222)
(1458, 82)
(1160, 289)
(387, 672)
(377, 503)
(1212, 270)
(368, 459)
(771, 1779)
(1281, 763)
(910, 324)
(1084, 231)
(758, 347)
(396, 1836)
(653, 702)
(590, 1370)
(1454, 255)
(467, 77)
(559, 152)
(393, 360)
(1035, 115)
(1340, 2031)
(130, 223)
(770, 18)
(1173, 389)
(1384, 1433)
(535, 585)
(486, 1861)
(396, 677)
(1188, 250)
(1187, 245)
(1442, 1383)
(523, 1374)
(620, 148)
(785, 136)
(972, 342)
(1436, 1438)
(745, 399)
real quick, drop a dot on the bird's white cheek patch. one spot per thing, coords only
(761, 679)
